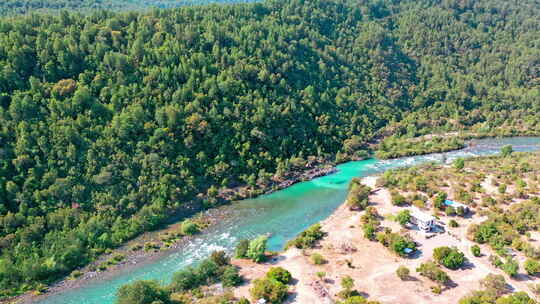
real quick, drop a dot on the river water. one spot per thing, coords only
(284, 214)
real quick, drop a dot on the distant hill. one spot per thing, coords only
(15, 7)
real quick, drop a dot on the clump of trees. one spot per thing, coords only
(403, 217)
(396, 242)
(433, 272)
(215, 269)
(273, 287)
(450, 257)
(496, 292)
(358, 197)
(393, 147)
(252, 249)
(307, 238)
(370, 223)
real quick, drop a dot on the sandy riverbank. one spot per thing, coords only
(373, 266)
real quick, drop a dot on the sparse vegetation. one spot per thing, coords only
(433, 272)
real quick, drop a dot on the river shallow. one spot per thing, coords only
(283, 214)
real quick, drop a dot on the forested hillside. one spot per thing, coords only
(16, 7)
(111, 122)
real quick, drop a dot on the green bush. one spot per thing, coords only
(241, 249)
(475, 250)
(532, 266)
(511, 267)
(220, 258)
(257, 248)
(185, 280)
(452, 223)
(307, 238)
(141, 292)
(243, 301)
(403, 272)
(403, 217)
(355, 300)
(439, 200)
(230, 276)
(279, 274)
(459, 163)
(272, 291)
(433, 272)
(317, 259)
(495, 284)
(369, 231)
(188, 227)
(450, 257)
(398, 199)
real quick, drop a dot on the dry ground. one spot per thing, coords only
(374, 265)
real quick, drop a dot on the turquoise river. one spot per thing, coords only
(283, 214)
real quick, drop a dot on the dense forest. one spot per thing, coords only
(111, 122)
(16, 7)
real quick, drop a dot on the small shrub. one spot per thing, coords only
(532, 267)
(347, 282)
(403, 217)
(279, 274)
(495, 283)
(403, 272)
(230, 276)
(511, 267)
(188, 227)
(220, 258)
(452, 223)
(241, 249)
(459, 163)
(321, 274)
(433, 272)
(369, 231)
(398, 199)
(436, 289)
(243, 301)
(76, 274)
(150, 246)
(475, 250)
(317, 259)
(136, 247)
